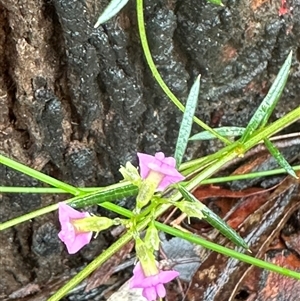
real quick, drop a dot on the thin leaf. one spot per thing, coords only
(39, 175)
(221, 226)
(264, 111)
(111, 10)
(187, 121)
(156, 74)
(218, 2)
(227, 131)
(215, 220)
(279, 158)
(110, 195)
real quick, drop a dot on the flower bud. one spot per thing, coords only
(131, 174)
(147, 189)
(146, 257)
(93, 223)
(152, 239)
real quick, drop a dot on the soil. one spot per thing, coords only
(76, 102)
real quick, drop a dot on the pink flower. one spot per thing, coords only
(152, 286)
(73, 239)
(161, 164)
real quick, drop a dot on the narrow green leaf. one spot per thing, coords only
(264, 111)
(279, 158)
(111, 10)
(156, 74)
(228, 252)
(187, 122)
(105, 196)
(227, 131)
(215, 220)
(221, 226)
(39, 175)
(218, 2)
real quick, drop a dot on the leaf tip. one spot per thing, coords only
(98, 23)
(293, 174)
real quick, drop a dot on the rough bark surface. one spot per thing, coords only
(76, 102)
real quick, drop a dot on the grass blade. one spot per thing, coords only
(111, 10)
(264, 111)
(218, 2)
(105, 195)
(279, 158)
(215, 220)
(187, 122)
(227, 131)
(39, 175)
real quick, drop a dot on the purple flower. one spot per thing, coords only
(152, 286)
(161, 164)
(73, 239)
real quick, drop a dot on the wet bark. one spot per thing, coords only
(76, 102)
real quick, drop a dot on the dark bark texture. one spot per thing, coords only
(76, 102)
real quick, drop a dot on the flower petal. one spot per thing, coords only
(137, 281)
(161, 164)
(73, 241)
(150, 293)
(167, 276)
(138, 271)
(168, 180)
(144, 161)
(67, 232)
(160, 290)
(152, 285)
(66, 212)
(79, 242)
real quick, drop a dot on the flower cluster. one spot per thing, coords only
(156, 174)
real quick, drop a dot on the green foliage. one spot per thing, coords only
(196, 172)
(111, 10)
(227, 131)
(280, 159)
(217, 2)
(212, 218)
(264, 111)
(187, 122)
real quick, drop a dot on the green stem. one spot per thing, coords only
(228, 252)
(157, 76)
(43, 190)
(272, 129)
(238, 149)
(27, 217)
(246, 176)
(39, 175)
(209, 245)
(102, 193)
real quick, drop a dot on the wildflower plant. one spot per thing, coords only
(160, 182)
